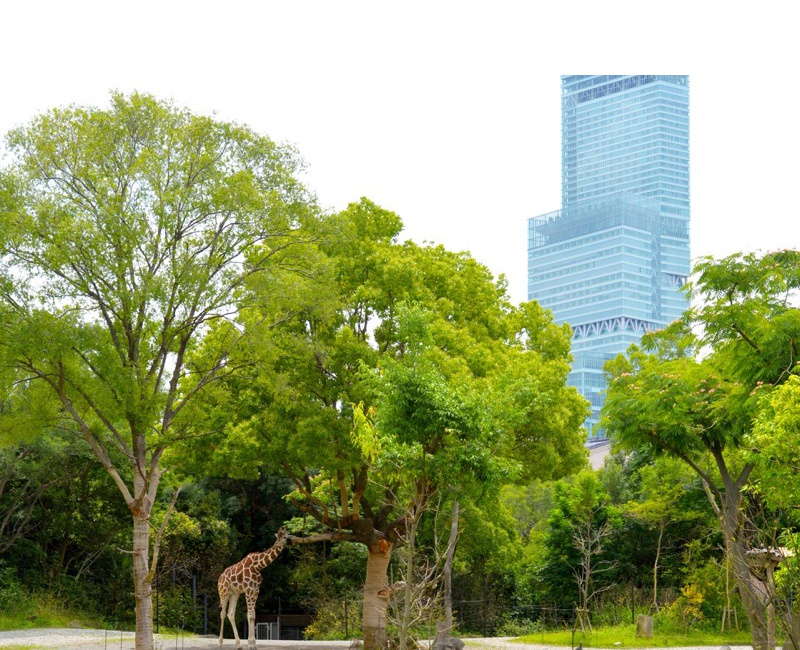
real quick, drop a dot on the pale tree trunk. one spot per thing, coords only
(754, 597)
(142, 583)
(448, 570)
(755, 603)
(376, 596)
(661, 527)
(728, 511)
(584, 541)
(781, 606)
(145, 558)
(406, 612)
(791, 622)
(587, 563)
(445, 628)
(141, 507)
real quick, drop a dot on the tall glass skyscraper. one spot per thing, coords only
(612, 261)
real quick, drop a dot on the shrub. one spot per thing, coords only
(519, 627)
(688, 607)
(329, 620)
(15, 600)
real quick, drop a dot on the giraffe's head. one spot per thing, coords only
(281, 537)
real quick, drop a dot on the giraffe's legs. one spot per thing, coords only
(223, 605)
(233, 598)
(251, 619)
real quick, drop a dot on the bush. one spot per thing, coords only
(14, 598)
(518, 627)
(686, 611)
(176, 608)
(329, 620)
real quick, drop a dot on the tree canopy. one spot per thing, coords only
(696, 391)
(412, 374)
(126, 234)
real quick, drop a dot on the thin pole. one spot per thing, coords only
(633, 605)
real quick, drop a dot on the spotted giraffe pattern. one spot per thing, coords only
(245, 578)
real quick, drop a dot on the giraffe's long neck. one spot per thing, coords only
(264, 559)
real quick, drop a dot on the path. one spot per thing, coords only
(82, 639)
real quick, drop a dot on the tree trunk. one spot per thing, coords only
(754, 599)
(661, 526)
(729, 514)
(376, 596)
(448, 570)
(755, 603)
(791, 622)
(142, 582)
(404, 624)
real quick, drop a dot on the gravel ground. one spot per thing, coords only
(83, 639)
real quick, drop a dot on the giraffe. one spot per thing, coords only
(245, 578)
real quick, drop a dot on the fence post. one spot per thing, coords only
(633, 604)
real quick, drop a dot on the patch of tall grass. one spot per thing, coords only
(21, 609)
(624, 636)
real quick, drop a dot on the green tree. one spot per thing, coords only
(488, 552)
(701, 408)
(24, 479)
(408, 373)
(775, 449)
(59, 516)
(775, 445)
(580, 527)
(128, 234)
(660, 503)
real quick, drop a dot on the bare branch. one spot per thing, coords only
(324, 537)
(159, 534)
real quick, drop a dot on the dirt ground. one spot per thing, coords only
(79, 639)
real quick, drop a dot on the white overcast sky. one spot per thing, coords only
(447, 113)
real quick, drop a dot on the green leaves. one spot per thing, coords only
(679, 405)
(663, 484)
(398, 370)
(364, 434)
(668, 397)
(132, 232)
(774, 446)
(748, 312)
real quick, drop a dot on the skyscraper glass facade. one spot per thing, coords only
(612, 261)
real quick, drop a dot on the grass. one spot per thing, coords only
(42, 609)
(46, 618)
(624, 636)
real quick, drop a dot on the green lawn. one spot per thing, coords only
(46, 619)
(624, 636)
